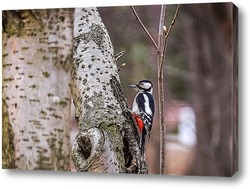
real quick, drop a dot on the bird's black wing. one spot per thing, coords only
(146, 113)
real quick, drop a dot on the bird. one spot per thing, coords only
(143, 110)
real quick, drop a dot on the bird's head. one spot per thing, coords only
(144, 86)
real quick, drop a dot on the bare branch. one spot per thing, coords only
(161, 39)
(119, 69)
(144, 28)
(161, 88)
(161, 26)
(173, 21)
(119, 55)
(167, 32)
(162, 44)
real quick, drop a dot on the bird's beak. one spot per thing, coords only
(133, 86)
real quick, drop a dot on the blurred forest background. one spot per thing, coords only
(200, 82)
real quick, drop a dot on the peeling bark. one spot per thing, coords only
(37, 54)
(107, 141)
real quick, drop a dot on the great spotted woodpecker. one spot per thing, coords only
(143, 110)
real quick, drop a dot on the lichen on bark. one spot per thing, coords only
(106, 141)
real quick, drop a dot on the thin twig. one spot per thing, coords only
(167, 34)
(144, 28)
(119, 55)
(119, 69)
(162, 44)
(173, 21)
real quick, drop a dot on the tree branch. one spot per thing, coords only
(173, 21)
(119, 55)
(161, 88)
(162, 44)
(144, 28)
(167, 35)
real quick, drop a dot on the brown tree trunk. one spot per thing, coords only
(210, 59)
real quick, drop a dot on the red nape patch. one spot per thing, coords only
(139, 122)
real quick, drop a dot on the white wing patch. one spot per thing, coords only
(146, 103)
(135, 108)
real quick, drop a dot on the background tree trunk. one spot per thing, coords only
(107, 141)
(37, 53)
(211, 52)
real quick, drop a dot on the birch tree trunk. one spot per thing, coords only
(108, 140)
(37, 53)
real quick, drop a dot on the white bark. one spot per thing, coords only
(94, 65)
(37, 48)
(107, 140)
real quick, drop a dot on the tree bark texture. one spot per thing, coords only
(107, 140)
(37, 54)
(160, 72)
(8, 149)
(210, 53)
